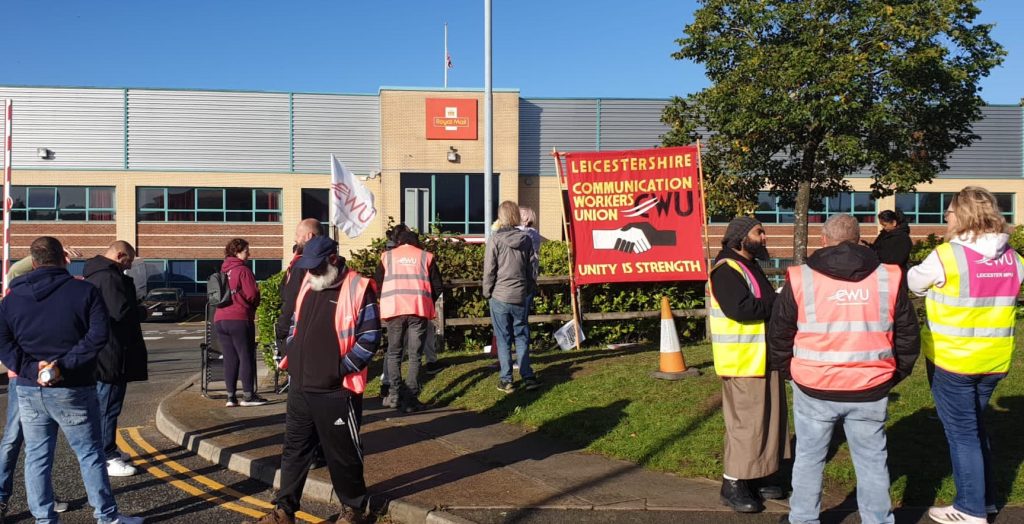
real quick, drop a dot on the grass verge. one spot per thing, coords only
(677, 427)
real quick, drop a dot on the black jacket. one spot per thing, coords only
(893, 247)
(733, 295)
(852, 263)
(291, 284)
(124, 357)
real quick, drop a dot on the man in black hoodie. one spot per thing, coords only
(52, 326)
(124, 358)
(844, 329)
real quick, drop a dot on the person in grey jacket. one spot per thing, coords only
(509, 281)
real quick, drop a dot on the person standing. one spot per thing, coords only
(753, 398)
(52, 328)
(293, 278)
(409, 284)
(508, 283)
(844, 329)
(235, 325)
(893, 244)
(336, 332)
(970, 285)
(124, 358)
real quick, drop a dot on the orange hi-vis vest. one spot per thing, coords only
(350, 299)
(844, 339)
(406, 286)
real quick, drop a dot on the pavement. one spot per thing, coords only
(447, 465)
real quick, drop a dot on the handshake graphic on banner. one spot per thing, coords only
(637, 237)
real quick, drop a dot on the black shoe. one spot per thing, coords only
(433, 368)
(411, 405)
(384, 390)
(532, 383)
(736, 495)
(253, 400)
(771, 491)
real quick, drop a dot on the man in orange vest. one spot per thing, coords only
(335, 332)
(845, 331)
(409, 284)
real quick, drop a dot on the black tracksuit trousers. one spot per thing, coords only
(329, 419)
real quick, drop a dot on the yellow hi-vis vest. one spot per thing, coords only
(971, 317)
(739, 348)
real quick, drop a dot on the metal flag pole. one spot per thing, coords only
(8, 107)
(488, 125)
(445, 61)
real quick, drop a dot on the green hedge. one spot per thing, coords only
(266, 317)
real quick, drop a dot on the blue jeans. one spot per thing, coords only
(10, 445)
(864, 424)
(75, 411)
(510, 323)
(111, 400)
(960, 401)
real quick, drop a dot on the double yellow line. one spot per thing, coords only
(209, 490)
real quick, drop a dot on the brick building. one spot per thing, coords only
(178, 173)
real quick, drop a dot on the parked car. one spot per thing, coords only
(165, 303)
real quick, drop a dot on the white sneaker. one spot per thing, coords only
(119, 468)
(125, 519)
(60, 507)
(951, 515)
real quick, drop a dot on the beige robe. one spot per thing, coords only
(756, 425)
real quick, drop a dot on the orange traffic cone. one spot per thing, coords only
(672, 364)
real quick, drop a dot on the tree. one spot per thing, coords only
(806, 93)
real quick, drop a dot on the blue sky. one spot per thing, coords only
(592, 48)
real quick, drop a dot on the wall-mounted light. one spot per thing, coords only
(44, 153)
(453, 154)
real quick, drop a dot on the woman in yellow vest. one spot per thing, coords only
(970, 286)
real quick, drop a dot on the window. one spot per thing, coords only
(859, 204)
(929, 208)
(62, 203)
(315, 205)
(455, 203)
(189, 204)
(190, 275)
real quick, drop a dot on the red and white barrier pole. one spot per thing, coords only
(8, 202)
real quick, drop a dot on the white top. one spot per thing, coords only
(930, 272)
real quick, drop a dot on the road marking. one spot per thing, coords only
(157, 457)
(191, 338)
(151, 338)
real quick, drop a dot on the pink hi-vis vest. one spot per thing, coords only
(844, 329)
(406, 286)
(350, 300)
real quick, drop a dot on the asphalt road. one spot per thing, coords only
(174, 485)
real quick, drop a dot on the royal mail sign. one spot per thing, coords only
(451, 119)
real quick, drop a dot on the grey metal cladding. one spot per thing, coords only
(346, 125)
(998, 150)
(569, 125)
(208, 131)
(84, 128)
(631, 124)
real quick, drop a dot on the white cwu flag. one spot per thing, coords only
(351, 203)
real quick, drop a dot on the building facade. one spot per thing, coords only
(179, 173)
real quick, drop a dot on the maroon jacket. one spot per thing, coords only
(245, 297)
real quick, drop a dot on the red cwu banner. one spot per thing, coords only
(637, 216)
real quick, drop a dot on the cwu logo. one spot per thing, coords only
(407, 261)
(844, 297)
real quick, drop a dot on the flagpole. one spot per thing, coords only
(8, 107)
(445, 61)
(488, 124)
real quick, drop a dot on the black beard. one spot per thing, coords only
(756, 249)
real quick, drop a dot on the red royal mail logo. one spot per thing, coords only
(451, 119)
